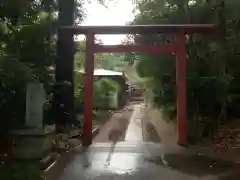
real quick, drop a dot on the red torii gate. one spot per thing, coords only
(177, 47)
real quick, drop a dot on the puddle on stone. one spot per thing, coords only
(197, 165)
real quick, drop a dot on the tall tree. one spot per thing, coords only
(211, 60)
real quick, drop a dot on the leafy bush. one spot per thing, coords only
(79, 98)
(101, 91)
(103, 88)
(14, 77)
(107, 85)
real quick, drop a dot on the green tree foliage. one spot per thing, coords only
(27, 48)
(80, 55)
(79, 98)
(212, 73)
(27, 32)
(101, 91)
(129, 56)
(109, 61)
(103, 88)
(113, 61)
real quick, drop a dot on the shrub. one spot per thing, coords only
(14, 77)
(79, 98)
(101, 91)
(103, 88)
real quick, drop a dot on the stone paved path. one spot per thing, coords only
(132, 158)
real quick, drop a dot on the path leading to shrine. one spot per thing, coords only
(120, 151)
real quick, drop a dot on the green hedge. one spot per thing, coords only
(102, 89)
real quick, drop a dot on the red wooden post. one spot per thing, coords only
(88, 90)
(181, 67)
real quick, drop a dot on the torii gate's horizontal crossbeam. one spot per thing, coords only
(144, 29)
(135, 48)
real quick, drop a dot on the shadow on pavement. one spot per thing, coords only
(151, 134)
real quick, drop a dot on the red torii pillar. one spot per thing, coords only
(178, 48)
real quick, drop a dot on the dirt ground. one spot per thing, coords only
(224, 144)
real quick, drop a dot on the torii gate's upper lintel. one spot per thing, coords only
(144, 29)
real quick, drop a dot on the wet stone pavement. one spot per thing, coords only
(134, 158)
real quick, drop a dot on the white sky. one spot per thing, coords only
(117, 13)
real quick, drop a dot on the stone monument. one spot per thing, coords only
(34, 140)
(34, 105)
